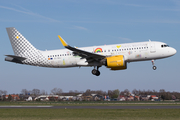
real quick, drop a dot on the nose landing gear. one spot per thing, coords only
(154, 67)
(153, 63)
(96, 72)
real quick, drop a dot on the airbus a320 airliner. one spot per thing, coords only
(114, 56)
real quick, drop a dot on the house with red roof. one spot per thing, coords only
(13, 97)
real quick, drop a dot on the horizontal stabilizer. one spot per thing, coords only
(16, 57)
(13, 58)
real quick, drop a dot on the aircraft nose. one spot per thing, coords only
(174, 51)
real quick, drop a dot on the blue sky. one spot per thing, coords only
(88, 23)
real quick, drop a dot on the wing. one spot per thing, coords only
(84, 54)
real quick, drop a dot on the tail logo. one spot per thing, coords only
(17, 37)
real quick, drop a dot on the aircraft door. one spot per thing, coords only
(152, 47)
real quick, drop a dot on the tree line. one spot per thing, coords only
(165, 95)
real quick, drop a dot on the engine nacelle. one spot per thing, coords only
(116, 62)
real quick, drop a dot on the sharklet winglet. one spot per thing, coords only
(62, 41)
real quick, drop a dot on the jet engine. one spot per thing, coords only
(115, 62)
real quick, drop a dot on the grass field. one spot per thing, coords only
(90, 114)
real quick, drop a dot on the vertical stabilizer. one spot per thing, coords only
(24, 49)
(21, 46)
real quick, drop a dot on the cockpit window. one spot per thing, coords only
(164, 45)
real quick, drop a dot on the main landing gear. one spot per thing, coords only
(154, 67)
(96, 72)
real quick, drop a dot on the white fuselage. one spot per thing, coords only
(114, 56)
(140, 51)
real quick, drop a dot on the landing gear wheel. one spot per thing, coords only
(154, 67)
(97, 73)
(94, 71)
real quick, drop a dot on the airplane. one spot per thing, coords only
(114, 56)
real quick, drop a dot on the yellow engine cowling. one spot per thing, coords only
(116, 62)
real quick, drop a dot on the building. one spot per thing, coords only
(13, 97)
(47, 97)
(130, 98)
(136, 98)
(66, 98)
(121, 98)
(154, 98)
(144, 98)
